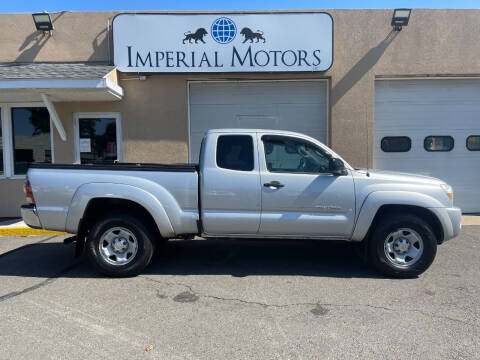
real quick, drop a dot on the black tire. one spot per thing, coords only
(145, 239)
(376, 247)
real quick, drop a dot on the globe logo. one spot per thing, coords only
(223, 30)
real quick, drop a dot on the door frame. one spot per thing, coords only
(90, 115)
(327, 100)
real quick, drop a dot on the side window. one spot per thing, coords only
(473, 143)
(284, 154)
(396, 144)
(235, 152)
(438, 143)
(31, 137)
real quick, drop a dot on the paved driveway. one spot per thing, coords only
(229, 299)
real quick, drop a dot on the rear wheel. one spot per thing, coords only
(120, 245)
(402, 246)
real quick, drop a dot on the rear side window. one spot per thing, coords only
(438, 143)
(473, 143)
(396, 144)
(235, 152)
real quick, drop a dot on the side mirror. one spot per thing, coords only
(337, 167)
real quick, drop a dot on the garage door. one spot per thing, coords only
(284, 105)
(431, 127)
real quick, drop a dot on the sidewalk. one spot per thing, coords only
(471, 219)
(16, 227)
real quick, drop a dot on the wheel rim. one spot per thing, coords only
(403, 247)
(118, 246)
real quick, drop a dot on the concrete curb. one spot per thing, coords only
(26, 231)
(16, 227)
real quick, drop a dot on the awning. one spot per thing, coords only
(58, 82)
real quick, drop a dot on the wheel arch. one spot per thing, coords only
(86, 201)
(423, 213)
(380, 203)
(98, 207)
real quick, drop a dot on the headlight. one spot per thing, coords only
(448, 190)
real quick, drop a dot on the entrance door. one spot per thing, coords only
(299, 195)
(97, 138)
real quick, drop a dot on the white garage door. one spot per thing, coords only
(284, 105)
(440, 120)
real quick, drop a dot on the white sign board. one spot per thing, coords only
(183, 43)
(85, 145)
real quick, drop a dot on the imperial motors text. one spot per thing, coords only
(216, 59)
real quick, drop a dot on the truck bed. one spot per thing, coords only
(62, 191)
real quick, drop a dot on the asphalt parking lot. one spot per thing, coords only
(229, 299)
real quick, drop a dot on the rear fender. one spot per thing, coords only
(87, 192)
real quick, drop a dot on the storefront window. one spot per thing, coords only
(98, 140)
(31, 137)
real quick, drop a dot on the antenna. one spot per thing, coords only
(368, 141)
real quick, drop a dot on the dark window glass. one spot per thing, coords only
(235, 152)
(284, 154)
(31, 137)
(396, 144)
(1, 145)
(473, 143)
(438, 143)
(98, 140)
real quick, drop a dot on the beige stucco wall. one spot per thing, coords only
(154, 111)
(78, 36)
(11, 197)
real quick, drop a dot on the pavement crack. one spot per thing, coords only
(331, 305)
(444, 317)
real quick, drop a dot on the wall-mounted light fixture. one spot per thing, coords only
(400, 18)
(42, 21)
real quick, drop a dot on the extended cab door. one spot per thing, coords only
(300, 195)
(230, 197)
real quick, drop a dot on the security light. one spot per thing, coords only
(400, 18)
(42, 21)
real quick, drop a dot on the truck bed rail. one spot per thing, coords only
(119, 167)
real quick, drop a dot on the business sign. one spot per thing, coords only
(151, 43)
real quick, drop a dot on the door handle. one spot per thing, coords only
(273, 184)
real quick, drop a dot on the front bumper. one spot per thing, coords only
(451, 220)
(30, 216)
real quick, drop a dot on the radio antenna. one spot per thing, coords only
(368, 140)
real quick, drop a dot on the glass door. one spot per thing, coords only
(97, 138)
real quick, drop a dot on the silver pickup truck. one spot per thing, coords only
(249, 183)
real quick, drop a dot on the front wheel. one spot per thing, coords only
(120, 245)
(402, 246)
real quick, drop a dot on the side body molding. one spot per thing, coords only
(87, 192)
(376, 199)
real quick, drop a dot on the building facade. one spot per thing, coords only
(99, 87)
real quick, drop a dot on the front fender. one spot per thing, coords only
(90, 191)
(378, 198)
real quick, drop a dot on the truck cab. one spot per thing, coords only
(274, 184)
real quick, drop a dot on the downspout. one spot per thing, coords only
(54, 116)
